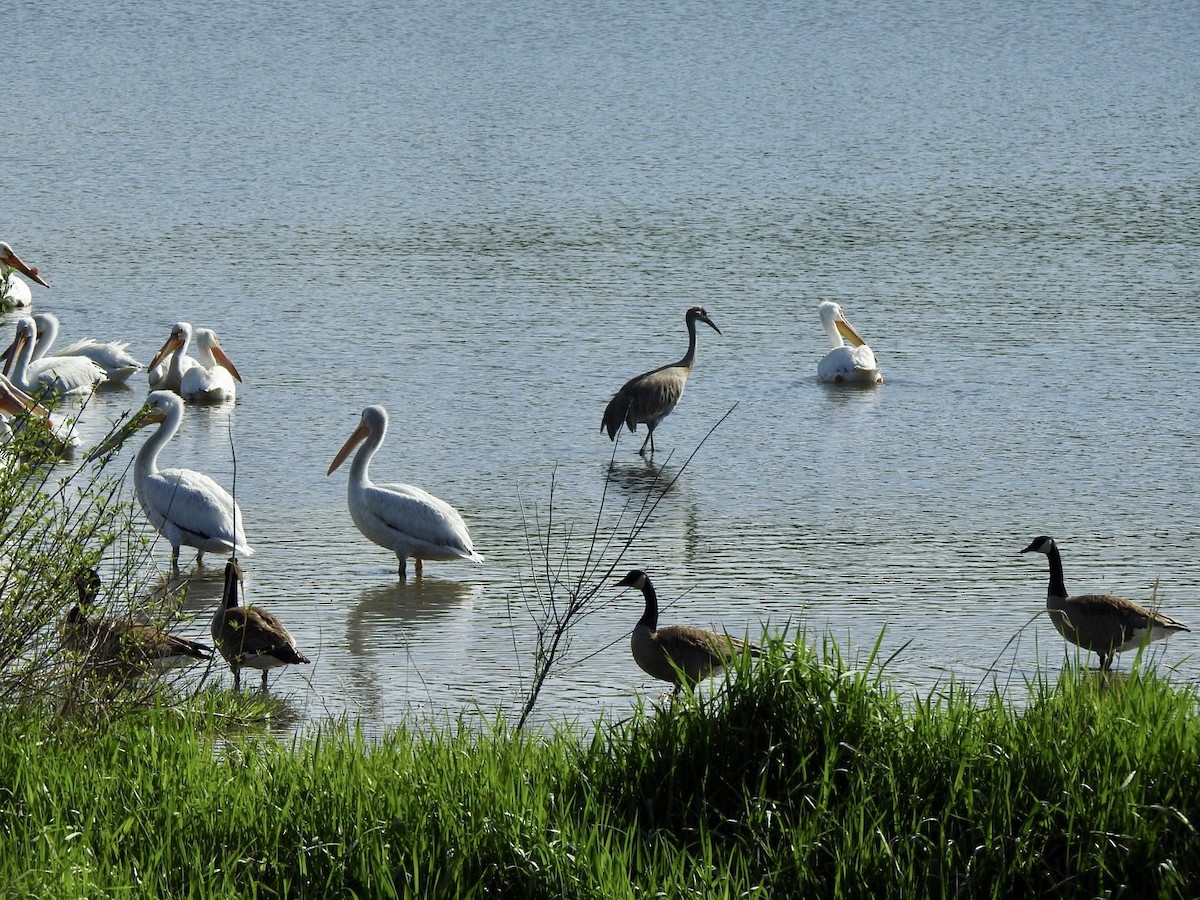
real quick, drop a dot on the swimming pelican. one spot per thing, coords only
(184, 506)
(400, 517)
(651, 396)
(112, 356)
(19, 411)
(15, 293)
(63, 376)
(1102, 623)
(212, 379)
(250, 635)
(853, 364)
(166, 369)
(124, 643)
(680, 654)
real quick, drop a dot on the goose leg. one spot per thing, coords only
(264, 681)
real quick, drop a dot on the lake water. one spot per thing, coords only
(486, 217)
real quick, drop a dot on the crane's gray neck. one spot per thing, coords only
(649, 617)
(689, 358)
(1058, 588)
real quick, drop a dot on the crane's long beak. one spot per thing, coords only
(173, 343)
(359, 435)
(224, 361)
(712, 324)
(846, 330)
(13, 261)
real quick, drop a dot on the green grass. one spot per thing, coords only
(802, 777)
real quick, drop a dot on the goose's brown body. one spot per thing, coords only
(1102, 623)
(680, 654)
(250, 635)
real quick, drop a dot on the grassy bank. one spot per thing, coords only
(801, 778)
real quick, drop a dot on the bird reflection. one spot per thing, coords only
(371, 623)
(194, 591)
(642, 476)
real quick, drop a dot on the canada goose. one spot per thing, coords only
(845, 363)
(125, 644)
(680, 654)
(405, 519)
(250, 635)
(649, 398)
(1102, 623)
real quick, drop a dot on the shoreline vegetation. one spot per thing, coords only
(797, 776)
(794, 775)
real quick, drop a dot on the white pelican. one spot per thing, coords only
(651, 396)
(853, 364)
(184, 506)
(112, 357)
(250, 635)
(15, 293)
(400, 517)
(166, 370)
(212, 379)
(64, 376)
(56, 439)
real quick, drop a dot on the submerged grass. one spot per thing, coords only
(804, 776)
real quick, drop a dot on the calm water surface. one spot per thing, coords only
(487, 218)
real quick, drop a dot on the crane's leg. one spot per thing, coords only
(649, 440)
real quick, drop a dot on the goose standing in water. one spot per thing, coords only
(127, 644)
(650, 397)
(184, 506)
(680, 654)
(250, 635)
(400, 517)
(845, 364)
(15, 293)
(1102, 623)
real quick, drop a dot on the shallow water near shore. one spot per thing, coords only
(487, 220)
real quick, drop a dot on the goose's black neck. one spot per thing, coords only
(1058, 587)
(650, 614)
(233, 575)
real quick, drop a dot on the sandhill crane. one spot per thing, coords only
(680, 654)
(1102, 623)
(650, 397)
